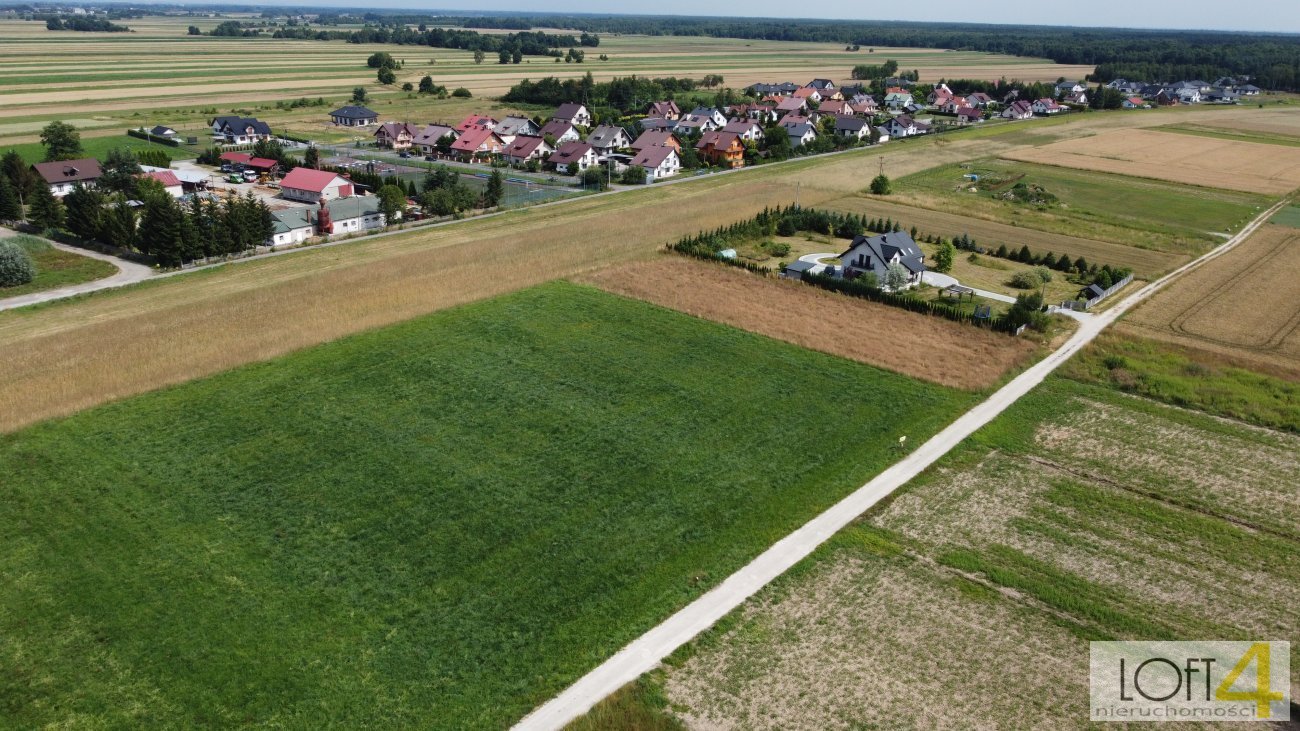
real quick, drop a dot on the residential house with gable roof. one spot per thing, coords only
(562, 130)
(573, 113)
(573, 157)
(396, 135)
(723, 149)
(354, 115)
(63, 176)
(658, 162)
(874, 254)
(523, 148)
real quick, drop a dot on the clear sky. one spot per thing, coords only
(1270, 15)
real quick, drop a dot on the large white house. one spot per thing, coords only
(658, 162)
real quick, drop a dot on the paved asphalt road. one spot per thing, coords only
(644, 653)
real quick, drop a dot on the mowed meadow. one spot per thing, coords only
(439, 524)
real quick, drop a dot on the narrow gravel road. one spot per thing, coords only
(644, 653)
(128, 272)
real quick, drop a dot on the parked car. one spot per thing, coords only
(403, 154)
(430, 158)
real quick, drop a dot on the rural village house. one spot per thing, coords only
(575, 114)
(562, 130)
(874, 254)
(353, 115)
(656, 138)
(240, 130)
(309, 186)
(477, 143)
(396, 135)
(607, 139)
(524, 148)
(61, 177)
(723, 149)
(664, 110)
(573, 157)
(658, 162)
(428, 138)
(512, 127)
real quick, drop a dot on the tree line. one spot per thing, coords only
(1271, 59)
(509, 46)
(84, 23)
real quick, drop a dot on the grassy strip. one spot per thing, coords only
(55, 267)
(1188, 378)
(1243, 136)
(445, 523)
(98, 147)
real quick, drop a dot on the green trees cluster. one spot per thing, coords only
(171, 232)
(61, 140)
(445, 194)
(865, 72)
(85, 24)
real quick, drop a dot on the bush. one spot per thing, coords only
(778, 248)
(461, 93)
(16, 266)
(1025, 280)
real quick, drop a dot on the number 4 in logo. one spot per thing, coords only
(1262, 695)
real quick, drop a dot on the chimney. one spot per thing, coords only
(323, 224)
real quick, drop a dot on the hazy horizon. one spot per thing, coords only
(1135, 14)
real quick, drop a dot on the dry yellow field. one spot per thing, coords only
(929, 348)
(1278, 122)
(1215, 163)
(1243, 307)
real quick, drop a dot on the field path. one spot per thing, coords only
(647, 651)
(128, 272)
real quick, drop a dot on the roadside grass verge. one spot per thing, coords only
(55, 268)
(1148, 214)
(440, 523)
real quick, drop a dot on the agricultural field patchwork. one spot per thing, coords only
(1148, 214)
(1178, 158)
(924, 347)
(438, 524)
(1080, 514)
(1243, 306)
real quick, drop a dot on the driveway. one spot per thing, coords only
(128, 272)
(935, 279)
(815, 260)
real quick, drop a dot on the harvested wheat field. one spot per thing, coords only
(1215, 163)
(1145, 262)
(1244, 305)
(929, 348)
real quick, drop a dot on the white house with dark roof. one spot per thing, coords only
(354, 115)
(523, 148)
(576, 114)
(511, 127)
(855, 128)
(573, 157)
(659, 162)
(63, 176)
(801, 134)
(240, 130)
(607, 139)
(562, 130)
(874, 254)
(427, 139)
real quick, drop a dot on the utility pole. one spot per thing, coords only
(796, 194)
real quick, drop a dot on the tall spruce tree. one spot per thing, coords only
(10, 208)
(45, 212)
(85, 208)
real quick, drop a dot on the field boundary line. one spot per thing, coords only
(650, 649)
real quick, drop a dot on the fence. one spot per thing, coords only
(1088, 303)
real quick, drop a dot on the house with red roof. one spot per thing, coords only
(168, 179)
(310, 186)
(524, 148)
(476, 120)
(477, 143)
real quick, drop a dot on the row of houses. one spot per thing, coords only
(1227, 90)
(62, 177)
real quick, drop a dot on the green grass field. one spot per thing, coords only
(1061, 522)
(1289, 216)
(55, 268)
(438, 524)
(1143, 213)
(98, 147)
